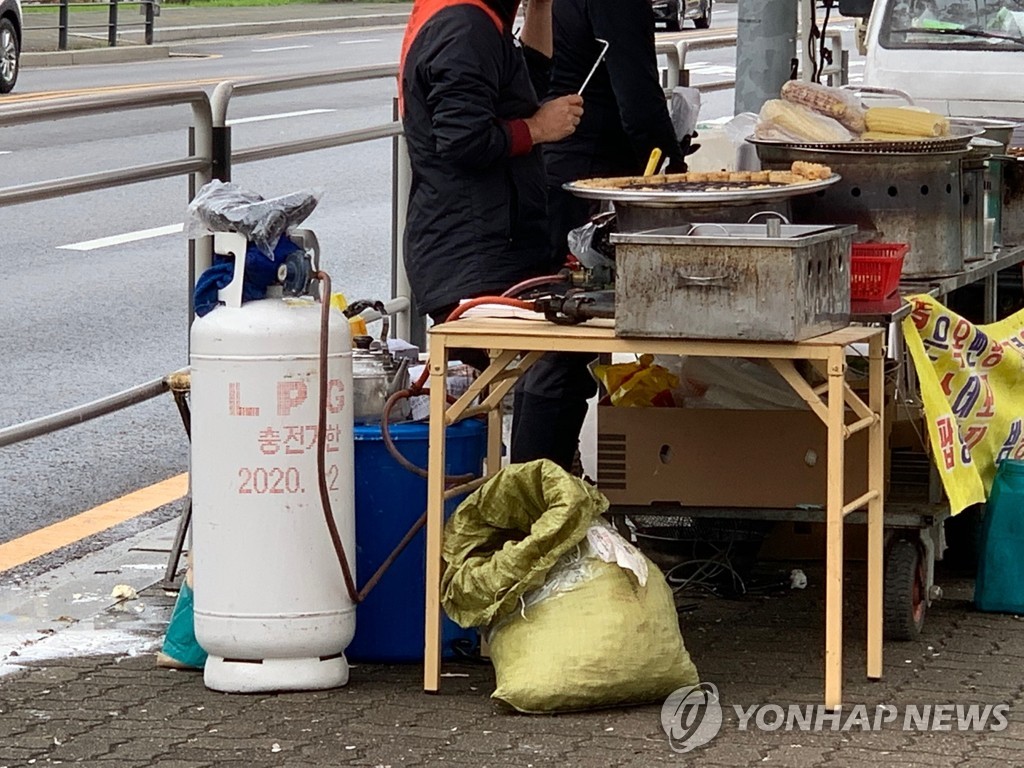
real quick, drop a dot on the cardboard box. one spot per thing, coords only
(719, 458)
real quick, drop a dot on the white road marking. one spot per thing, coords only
(279, 116)
(5, 151)
(127, 237)
(281, 48)
(707, 68)
(357, 42)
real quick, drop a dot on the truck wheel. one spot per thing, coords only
(906, 593)
(703, 22)
(676, 23)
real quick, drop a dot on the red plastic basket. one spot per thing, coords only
(875, 270)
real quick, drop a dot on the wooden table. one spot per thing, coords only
(515, 344)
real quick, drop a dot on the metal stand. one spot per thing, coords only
(180, 386)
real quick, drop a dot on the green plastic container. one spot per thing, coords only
(999, 585)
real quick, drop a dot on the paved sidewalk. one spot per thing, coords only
(110, 706)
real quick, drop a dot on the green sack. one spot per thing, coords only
(503, 539)
(529, 557)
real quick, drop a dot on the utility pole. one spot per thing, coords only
(765, 49)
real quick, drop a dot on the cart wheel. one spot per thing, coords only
(906, 596)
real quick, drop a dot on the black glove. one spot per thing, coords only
(686, 148)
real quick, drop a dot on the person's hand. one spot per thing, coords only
(555, 119)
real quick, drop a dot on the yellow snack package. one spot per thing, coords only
(639, 384)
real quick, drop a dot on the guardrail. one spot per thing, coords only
(211, 156)
(677, 73)
(149, 9)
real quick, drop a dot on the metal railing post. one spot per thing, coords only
(62, 25)
(201, 252)
(684, 73)
(150, 16)
(112, 24)
(410, 325)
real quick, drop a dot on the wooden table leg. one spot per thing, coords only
(435, 514)
(876, 507)
(495, 425)
(495, 428)
(834, 530)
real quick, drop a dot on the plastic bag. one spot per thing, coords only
(735, 384)
(839, 104)
(180, 648)
(226, 207)
(639, 384)
(590, 243)
(684, 108)
(781, 120)
(738, 130)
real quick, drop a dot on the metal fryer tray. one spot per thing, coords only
(959, 139)
(676, 197)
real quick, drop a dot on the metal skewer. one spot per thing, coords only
(597, 63)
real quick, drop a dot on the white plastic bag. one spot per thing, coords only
(226, 207)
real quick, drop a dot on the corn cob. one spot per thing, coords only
(826, 101)
(908, 122)
(801, 122)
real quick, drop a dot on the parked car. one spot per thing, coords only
(670, 14)
(10, 43)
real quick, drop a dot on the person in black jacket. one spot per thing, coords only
(627, 114)
(626, 117)
(477, 220)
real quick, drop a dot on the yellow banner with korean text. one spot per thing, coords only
(970, 379)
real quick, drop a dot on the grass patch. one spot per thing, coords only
(80, 6)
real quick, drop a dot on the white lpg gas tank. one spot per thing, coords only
(271, 608)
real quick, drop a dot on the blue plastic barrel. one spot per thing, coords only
(389, 499)
(999, 584)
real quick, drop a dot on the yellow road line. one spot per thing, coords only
(47, 95)
(93, 521)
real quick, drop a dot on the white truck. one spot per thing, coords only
(962, 58)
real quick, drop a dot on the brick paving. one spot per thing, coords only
(123, 711)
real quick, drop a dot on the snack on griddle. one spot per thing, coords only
(784, 177)
(813, 171)
(799, 173)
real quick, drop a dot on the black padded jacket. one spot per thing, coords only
(625, 115)
(477, 219)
